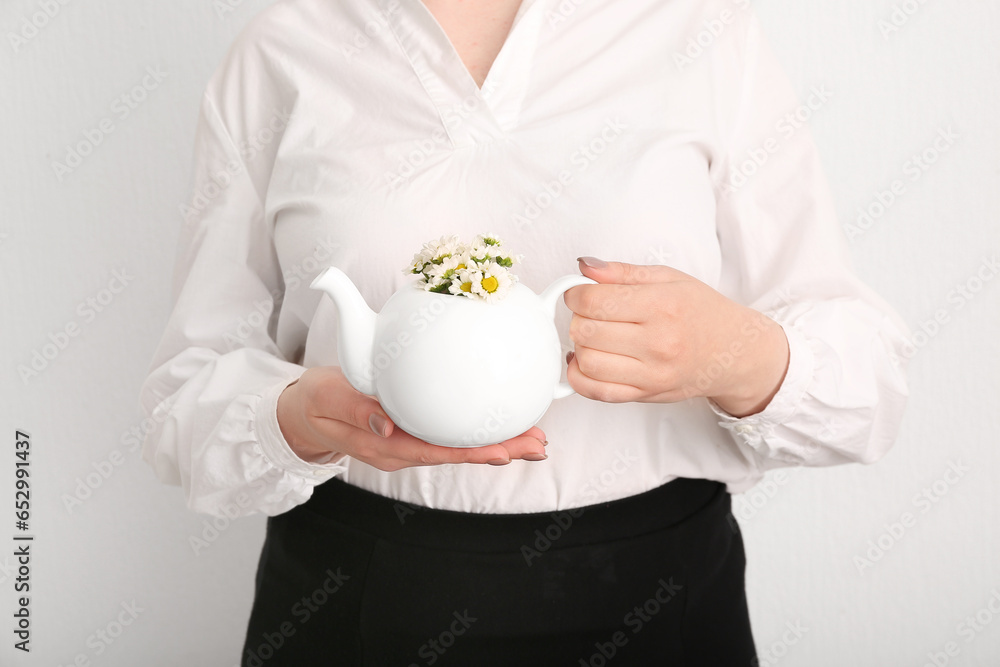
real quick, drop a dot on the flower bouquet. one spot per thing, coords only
(477, 270)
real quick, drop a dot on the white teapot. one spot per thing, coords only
(448, 369)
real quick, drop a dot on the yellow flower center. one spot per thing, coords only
(465, 287)
(490, 284)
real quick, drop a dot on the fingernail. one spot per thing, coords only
(532, 456)
(499, 462)
(569, 356)
(378, 424)
(592, 262)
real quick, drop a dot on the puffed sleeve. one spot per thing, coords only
(784, 254)
(213, 386)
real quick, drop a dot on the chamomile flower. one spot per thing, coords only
(444, 247)
(439, 276)
(436, 284)
(454, 263)
(507, 260)
(419, 263)
(489, 247)
(492, 283)
(461, 282)
(488, 240)
(433, 253)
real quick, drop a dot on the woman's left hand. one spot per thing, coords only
(653, 334)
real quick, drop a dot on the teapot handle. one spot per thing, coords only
(548, 297)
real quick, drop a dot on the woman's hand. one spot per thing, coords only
(654, 334)
(321, 413)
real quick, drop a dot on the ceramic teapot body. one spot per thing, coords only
(452, 370)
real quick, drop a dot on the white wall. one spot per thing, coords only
(61, 241)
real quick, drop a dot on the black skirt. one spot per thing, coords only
(354, 578)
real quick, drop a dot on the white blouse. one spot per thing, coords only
(650, 132)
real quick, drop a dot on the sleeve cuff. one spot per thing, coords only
(752, 429)
(272, 445)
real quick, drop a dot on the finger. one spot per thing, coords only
(526, 446)
(530, 445)
(617, 337)
(536, 433)
(400, 449)
(338, 435)
(413, 451)
(628, 274)
(616, 303)
(610, 367)
(416, 452)
(607, 392)
(348, 405)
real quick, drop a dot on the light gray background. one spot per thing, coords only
(60, 241)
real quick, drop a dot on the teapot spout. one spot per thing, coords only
(355, 328)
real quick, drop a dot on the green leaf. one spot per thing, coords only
(442, 288)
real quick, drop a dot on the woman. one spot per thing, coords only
(730, 337)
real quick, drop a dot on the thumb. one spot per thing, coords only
(352, 407)
(622, 273)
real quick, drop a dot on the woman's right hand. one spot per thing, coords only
(321, 413)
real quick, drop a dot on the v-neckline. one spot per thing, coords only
(470, 114)
(522, 7)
